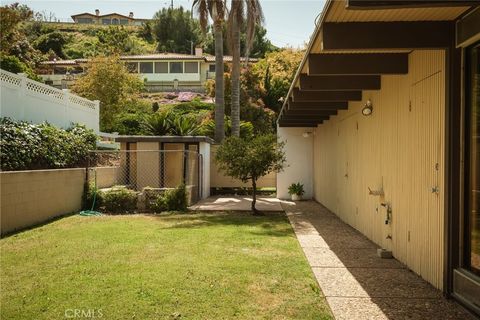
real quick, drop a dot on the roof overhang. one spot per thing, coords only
(356, 42)
(171, 139)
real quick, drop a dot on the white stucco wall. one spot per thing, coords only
(205, 152)
(299, 166)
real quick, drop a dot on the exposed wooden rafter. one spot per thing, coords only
(399, 4)
(299, 95)
(330, 105)
(343, 82)
(358, 64)
(387, 35)
(311, 112)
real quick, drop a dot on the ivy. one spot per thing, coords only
(27, 146)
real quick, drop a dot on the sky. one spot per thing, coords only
(288, 22)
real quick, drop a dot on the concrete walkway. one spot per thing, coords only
(236, 203)
(356, 283)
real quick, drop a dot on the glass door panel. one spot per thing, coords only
(473, 158)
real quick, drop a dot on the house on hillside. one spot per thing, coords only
(382, 127)
(107, 19)
(161, 71)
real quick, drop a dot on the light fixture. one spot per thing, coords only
(368, 108)
(306, 134)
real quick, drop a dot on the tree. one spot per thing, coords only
(108, 80)
(276, 72)
(54, 41)
(260, 47)
(248, 13)
(146, 32)
(13, 41)
(216, 10)
(175, 30)
(251, 159)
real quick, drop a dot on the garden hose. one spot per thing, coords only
(92, 212)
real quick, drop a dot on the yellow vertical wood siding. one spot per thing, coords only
(400, 149)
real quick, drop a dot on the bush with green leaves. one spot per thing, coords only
(249, 160)
(157, 124)
(14, 65)
(171, 200)
(246, 128)
(296, 188)
(27, 146)
(118, 200)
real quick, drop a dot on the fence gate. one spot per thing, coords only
(147, 171)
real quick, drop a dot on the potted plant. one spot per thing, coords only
(296, 191)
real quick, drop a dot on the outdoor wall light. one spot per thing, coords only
(368, 108)
(306, 134)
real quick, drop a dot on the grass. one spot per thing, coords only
(189, 266)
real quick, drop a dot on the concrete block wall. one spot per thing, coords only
(32, 197)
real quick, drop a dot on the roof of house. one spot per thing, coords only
(102, 15)
(154, 56)
(164, 139)
(210, 58)
(341, 36)
(61, 62)
(163, 56)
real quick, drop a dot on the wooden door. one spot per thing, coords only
(425, 210)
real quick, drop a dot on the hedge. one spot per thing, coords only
(27, 146)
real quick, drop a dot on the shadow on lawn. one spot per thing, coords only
(271, 224)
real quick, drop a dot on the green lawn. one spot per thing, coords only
(188, 266)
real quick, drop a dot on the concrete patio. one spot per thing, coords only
(237, 203)
(356, 283)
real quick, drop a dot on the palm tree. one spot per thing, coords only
(216, 10)
(243, 14)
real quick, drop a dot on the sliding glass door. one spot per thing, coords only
(472, 159)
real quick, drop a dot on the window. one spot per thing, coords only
(84, 20)
(211, 68)
(146, 67)
(176, 67)
(472, 159)
(132, 67)
(123, 21)
(161, 67)
(191, 67)
(115, 21)
(106, 21)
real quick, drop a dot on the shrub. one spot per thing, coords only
(246, 128)
(249, 160)
(155, 106)
(26, 146)
(296, 188)
(14, 65)
(157, 124)
(90, 195)
(171, 200)
(119, 200)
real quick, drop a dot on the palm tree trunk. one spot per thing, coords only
(235, 113)
(219, 85)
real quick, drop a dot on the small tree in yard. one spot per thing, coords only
(108, 79)
(251, 159)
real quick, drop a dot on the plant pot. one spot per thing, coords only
(296, 197)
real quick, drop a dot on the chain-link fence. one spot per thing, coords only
(148, 172)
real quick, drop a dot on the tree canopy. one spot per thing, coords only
(249, 160)
(108, 80)
(175, 30)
